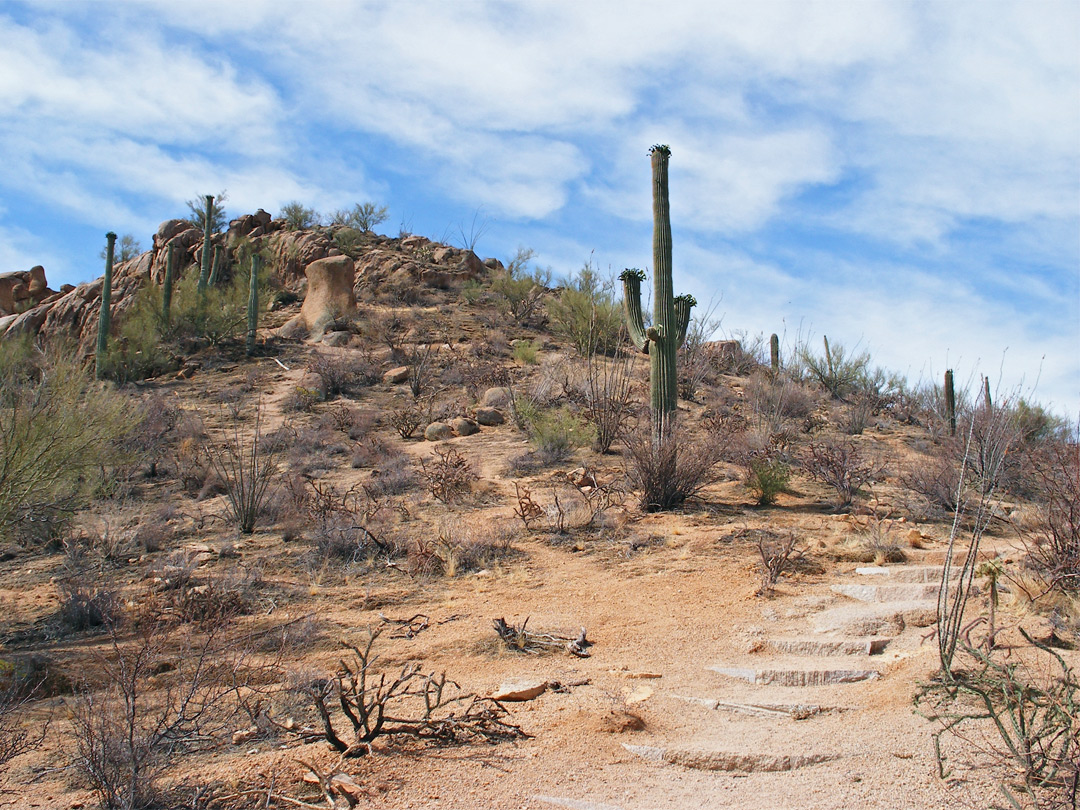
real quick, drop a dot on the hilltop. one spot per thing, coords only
(431, 443)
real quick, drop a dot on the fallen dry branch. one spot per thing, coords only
(522, 640)
(408, 628)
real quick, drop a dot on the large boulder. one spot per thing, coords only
(22, 290)
(330, 298)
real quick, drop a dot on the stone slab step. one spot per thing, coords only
(797, 711)
(909, 592)
(829, 647)
(705, 759)
(574, 804)
(908, 573)
(880, 618)
(797, 677)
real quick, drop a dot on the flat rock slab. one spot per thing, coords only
(731, 761)
(908, 573)
(797, 677)
(871, 619)
(574, 804)
(910, 592)
(830, 647)
(519, 690)
(799, 711)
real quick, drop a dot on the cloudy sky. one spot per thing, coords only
(904, 177)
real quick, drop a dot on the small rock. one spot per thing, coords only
(337, 339)
(640, 695)
(245, 735)
(438, 432)
(520, 689)
(489, 417)
(396, 376)
(463, 426)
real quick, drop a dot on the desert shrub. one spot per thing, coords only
(937, 478)
(838, 371)
(316, 449)
(393, 476)
(85, 607)
(60, 432)
(139, 350)
(246, 468)
(449, 475)
(216, 316)
(350, 241)
(406, 419)
(588, 313)
(556, 433)
(841, 465)
(424, 366)
(458, 549)
(342, 372)
(776, 403)
(362, 216)
(1053, 542)
(300, 400)
(297, 217)
(767, 477)
(609, 401)
(371, 451)
(695, 367)
(518, 290)
(348, 524)
(525, 351)
(352, 422)
(669, 470)
(778, 553)
(156, 426)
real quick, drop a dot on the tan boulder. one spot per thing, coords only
(438, 432)
(330, 298)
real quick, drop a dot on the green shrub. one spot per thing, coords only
(557, 433)
(519, 290)
(767, 478)
(362, 216)
(839, 372)
(139, 352)
(59, 434)
(297, 217)
(587, 313)
(525, 351)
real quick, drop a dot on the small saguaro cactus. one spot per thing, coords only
(253, 303)
(671, 314)
(774, 354)
(167, 285)
(207, 252)
(950, 402)
(104, 320)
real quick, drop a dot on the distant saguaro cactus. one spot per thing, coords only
(671, 315)
(166, 287)
(104, 321)
(774, 354)
(253, 303)
(950, 402)
(207, 251)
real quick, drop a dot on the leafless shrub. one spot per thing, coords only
(449, 475)
(460, 548)
(423, 362)
(778, 553)
(1053, 544)
(17, 736)
(775, 403)
(669, 470)
(85, 607)
(344, 523)
(388, 329)
(842, 466)
(300, 400)
(855, 417)
(341, 371)
(426, 707)
(407, 419)
(247, 468)
(371, 452)
(126, 736)
(393, 476)
(354, 423)
(609, 401)
(937, 478)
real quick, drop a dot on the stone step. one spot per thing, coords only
(909, 592)
(797, 711)
(707, 759)
(880, 618)
(829, 647)
(575, 804)
(908, 573)
(797, 676)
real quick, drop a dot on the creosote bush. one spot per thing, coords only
(668, 471)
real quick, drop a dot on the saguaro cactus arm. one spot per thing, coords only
(683, 305)
(635, 321)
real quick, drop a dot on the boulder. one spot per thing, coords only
(520, 689)
(337, 339)
(396, 376)
(496, 398)
(489, 417)
(463, 426)
(330, 296)
(438, 432)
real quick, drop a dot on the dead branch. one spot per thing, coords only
(523, 640)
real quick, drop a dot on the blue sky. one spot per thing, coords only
(901, 176)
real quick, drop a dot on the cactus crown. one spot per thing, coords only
(662, 148)
(632, 272)
(689, 299)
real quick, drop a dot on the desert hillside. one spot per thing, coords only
(413, 542)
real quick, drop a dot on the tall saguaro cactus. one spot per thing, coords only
(104, 320)
(253, 303)
(166, 288)
(671, 314)
(207, 251)
(950, 402)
